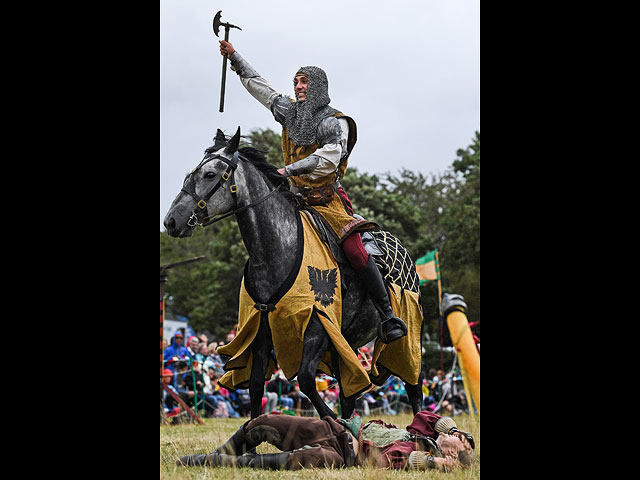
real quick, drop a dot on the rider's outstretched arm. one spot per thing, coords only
(256, 85)
(332, 134)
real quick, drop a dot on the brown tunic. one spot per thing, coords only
(313, 442)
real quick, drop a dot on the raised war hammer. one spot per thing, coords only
(216, 29)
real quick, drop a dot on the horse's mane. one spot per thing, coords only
(258, 158)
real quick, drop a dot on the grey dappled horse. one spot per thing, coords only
(266, 213)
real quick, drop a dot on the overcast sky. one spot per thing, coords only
(407, 71)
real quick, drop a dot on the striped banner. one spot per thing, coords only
(428, 267)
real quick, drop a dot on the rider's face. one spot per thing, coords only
(301, 83)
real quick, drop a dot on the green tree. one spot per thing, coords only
(270, 142)
(460, 221)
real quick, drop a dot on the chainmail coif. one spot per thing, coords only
(303, 119)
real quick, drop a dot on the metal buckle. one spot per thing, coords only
(233, 188)
(263, 307)
(202, 204)
(225, 176)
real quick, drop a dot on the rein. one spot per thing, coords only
(201, 202)
(207, 221)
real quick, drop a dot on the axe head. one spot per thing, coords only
(217, 23)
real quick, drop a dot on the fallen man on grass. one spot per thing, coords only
(429, 441)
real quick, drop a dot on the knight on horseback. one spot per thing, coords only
(316, 143)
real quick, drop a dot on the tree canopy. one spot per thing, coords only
(424, 212)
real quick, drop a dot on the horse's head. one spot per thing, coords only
(208, 190)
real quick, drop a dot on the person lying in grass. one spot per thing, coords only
(429, 441)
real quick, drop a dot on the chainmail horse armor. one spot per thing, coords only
(395, 263)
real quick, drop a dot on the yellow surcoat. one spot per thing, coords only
(316, 287)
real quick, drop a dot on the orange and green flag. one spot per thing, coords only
(428, 268)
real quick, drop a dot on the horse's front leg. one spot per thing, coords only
(260, 349)
(314, 345)
(414, 392)
(347, 404)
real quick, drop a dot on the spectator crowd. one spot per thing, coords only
(192, 369)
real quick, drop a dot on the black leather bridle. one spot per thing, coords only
(199, 216)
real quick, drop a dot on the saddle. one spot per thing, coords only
(325, 233)
(391, 258)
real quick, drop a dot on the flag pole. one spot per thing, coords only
(441, 319)
(439, 284)
(426, 276)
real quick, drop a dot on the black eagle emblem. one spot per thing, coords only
(323, 284)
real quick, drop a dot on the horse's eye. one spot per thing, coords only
(210, 175)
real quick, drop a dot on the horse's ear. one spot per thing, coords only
(233, 143)
(219, 140)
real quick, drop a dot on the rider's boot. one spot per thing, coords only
(392, 327)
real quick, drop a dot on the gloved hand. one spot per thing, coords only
(448, 426)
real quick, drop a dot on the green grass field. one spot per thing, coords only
(180, 440)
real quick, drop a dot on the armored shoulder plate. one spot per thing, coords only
(329, 131)
(279, 108)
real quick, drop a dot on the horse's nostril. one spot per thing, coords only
(170, 224)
